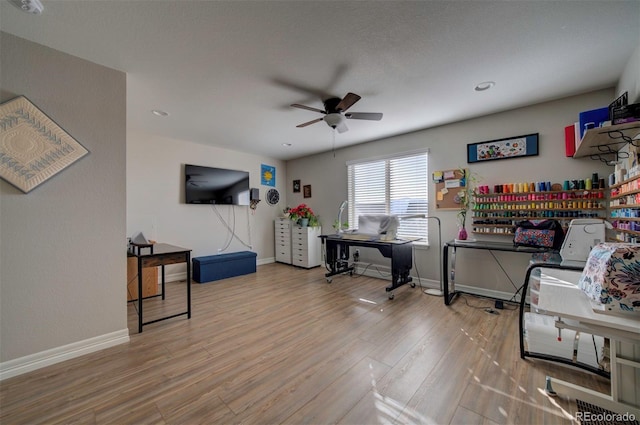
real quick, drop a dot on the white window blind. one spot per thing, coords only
(394, 185)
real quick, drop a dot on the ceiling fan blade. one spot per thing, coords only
(373, 116)
(307, 90)
(304, 124)
(308, 108)
(347, 102)
(342, 127)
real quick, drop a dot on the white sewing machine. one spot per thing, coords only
(380, 227)
(582, 236)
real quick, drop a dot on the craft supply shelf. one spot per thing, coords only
(497, 214)
(624, 210)
(604, 143)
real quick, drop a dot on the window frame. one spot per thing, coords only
(387, 160)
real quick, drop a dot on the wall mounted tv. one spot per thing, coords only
(208, 185)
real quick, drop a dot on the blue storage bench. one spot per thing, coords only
(222, 266)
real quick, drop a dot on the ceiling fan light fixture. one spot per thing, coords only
(486, 85)
(334, 120)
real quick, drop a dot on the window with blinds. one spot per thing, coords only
(393, 185)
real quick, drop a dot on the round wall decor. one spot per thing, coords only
(273, 196)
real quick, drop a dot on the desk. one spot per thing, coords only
(400, 252)
(573, 310)
(449, 295)
(160, 255)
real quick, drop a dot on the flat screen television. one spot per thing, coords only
(208, 185)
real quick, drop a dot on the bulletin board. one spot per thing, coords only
(449, 183)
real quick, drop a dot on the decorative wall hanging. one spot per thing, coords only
(296, 186)
(306, 191)
(33, 148)
(511, 147)
(268, 175)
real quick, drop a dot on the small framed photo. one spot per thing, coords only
(296, 186)
(307, 191)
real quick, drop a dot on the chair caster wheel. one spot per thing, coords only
(329, 280)
(391, 295)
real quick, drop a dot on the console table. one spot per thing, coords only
(160, 254)
(450, 294)
(399, 251)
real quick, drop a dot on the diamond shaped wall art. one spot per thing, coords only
(33, 148)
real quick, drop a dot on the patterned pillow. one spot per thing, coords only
(612, 276)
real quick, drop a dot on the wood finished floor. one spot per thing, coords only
(284, 346)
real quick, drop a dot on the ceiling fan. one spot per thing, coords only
(335, 112)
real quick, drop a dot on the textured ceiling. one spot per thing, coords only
(227, 71)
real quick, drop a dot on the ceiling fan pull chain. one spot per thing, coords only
(333, 131)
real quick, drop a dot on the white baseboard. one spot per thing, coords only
(266, 261)
(384, 272)
(172, 277)
(39, 360)
(490, 293)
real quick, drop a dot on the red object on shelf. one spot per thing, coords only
(570, 140)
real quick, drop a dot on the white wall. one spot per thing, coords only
(447, 145)
(630, 79)
(62, 262)
(155, 199)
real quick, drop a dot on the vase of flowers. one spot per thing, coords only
(465, 195)
(303, 215)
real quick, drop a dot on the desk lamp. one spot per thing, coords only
(342, 207)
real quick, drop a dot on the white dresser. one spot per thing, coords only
(297, 245)
(306, 246)
(283, 240)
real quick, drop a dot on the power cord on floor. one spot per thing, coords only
(489, 309)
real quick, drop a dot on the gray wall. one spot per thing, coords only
(630, 79)
(155, 199)
(447, 144)
(62, 262)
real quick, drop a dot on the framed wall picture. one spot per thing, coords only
(268, 175)
(33, 148)
(510, 147)
(306, 190)
(296, 186)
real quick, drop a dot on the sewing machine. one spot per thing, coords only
(592, 292)
(380, 227)
(575, 312)
(583, 234)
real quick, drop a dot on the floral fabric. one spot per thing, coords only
(612, 276)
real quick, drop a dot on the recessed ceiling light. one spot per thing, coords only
(159, 113)
(485, 86)
(288, 145)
